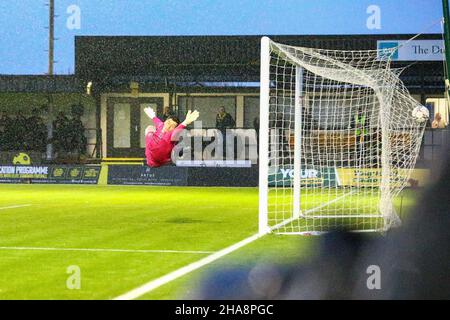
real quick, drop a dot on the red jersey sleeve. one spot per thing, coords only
(157, 121)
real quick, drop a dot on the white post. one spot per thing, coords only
(264, 136)
(297, 141)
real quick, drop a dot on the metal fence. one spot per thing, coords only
(433, 143)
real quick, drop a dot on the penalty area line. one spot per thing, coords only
(14, 207)
(152, 285)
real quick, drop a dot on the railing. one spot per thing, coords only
(94, 143)
(433, 142)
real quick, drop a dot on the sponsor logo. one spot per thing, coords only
(304, 173)
(386, 49)
(415, 50)
(91, 173)
(22, 159)
(59, 172)
(75, 173)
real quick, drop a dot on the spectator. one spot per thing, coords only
(256, 127)
(308, 122)
(281, 126)
(5, 136)
(36, 132)
(76, 136)
(438, 123)
(19, 132)
(167, 113)
(61, 133)
(256, 124)
(224, 120)
(3, 116)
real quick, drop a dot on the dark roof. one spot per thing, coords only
(211, 58)
(113, 61)
(40, 84)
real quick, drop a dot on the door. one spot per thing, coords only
(126, 124)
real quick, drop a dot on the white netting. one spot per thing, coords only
(358, 139)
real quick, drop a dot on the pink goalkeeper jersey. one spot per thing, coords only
(159, 144)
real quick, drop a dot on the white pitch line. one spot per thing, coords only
(149, 286)
(152, 285)
(13, 207)
(304, 215)
(105, 250)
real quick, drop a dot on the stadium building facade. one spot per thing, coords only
(116, 76)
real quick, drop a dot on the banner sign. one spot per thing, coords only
(415, 50)
(356, 177)
(309, 177)
(143, 175)
(335, 177)
(50, 174)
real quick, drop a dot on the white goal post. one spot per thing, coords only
(338, 139)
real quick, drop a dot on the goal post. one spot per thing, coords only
(264, 135)
(338, 139)
(297, 141)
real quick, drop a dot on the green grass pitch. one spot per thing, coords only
(128, 218)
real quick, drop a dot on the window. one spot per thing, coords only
(122, 125)
(251, 111)
(208, 108)
(438, 105)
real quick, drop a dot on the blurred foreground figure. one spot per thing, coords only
(411, 262)
(415, 259)
(330, 275)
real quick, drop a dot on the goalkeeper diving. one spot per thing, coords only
(160, 142)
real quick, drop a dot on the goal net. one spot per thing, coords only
(338, 139)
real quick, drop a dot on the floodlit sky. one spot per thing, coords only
(23, 33)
